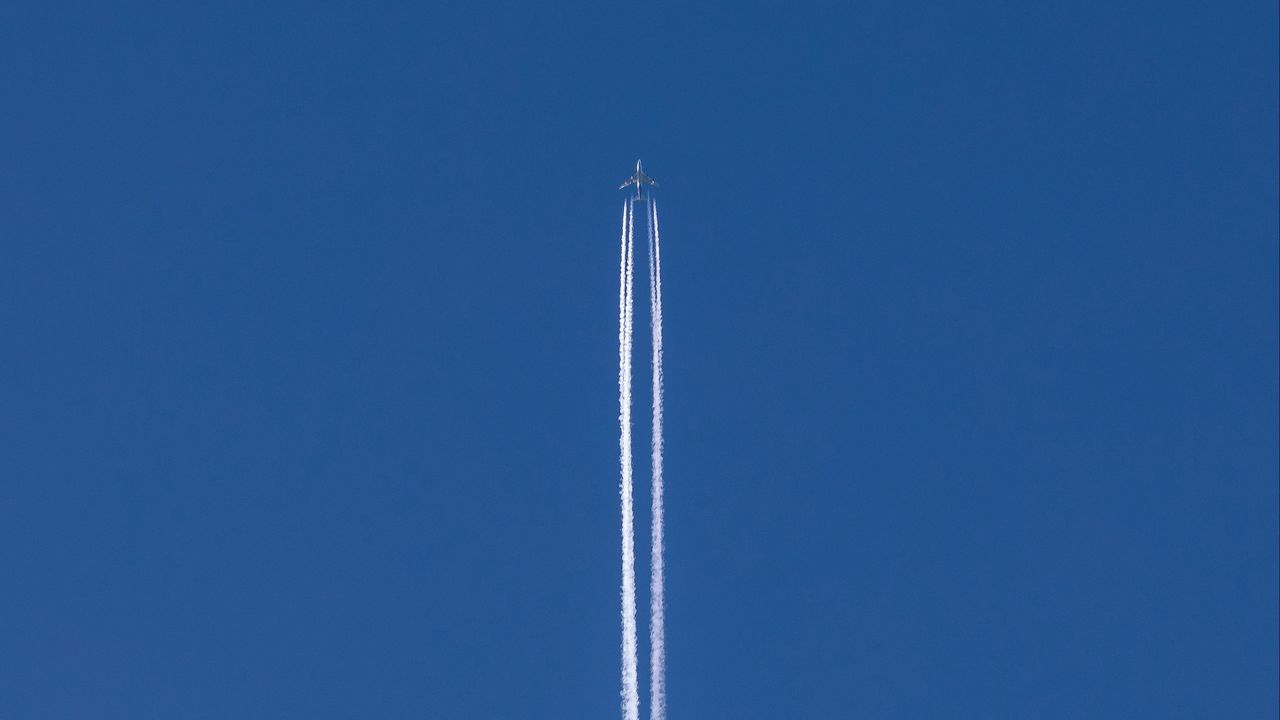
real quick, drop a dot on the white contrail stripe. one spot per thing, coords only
(657, 590)
(630, 679)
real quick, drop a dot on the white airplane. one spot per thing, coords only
(639, 179)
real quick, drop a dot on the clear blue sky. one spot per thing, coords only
(309, 357)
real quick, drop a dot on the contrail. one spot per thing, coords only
(657, 592)
(630, 680)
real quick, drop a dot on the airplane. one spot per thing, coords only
(639, 179)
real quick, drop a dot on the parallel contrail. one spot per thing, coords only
(626, 303)
(657, 591)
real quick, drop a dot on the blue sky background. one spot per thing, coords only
(309, 357)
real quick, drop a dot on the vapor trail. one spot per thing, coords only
(657, 590)
(626, 303)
